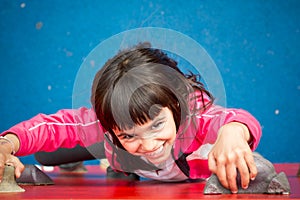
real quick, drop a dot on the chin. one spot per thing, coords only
(159, 160)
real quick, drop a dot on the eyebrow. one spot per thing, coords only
(155, 120)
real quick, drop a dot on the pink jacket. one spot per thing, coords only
(70, 127)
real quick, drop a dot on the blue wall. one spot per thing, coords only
(255, 45)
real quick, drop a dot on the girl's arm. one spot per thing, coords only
(66, 128)
(216, 116)
(236, 133)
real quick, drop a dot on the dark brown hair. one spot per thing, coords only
(136, 84)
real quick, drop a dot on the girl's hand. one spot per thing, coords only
(230, 153)
(6, 157)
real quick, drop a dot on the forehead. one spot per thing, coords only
(165, 113)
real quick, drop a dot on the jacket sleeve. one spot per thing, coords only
(216, 116)
(65, 129)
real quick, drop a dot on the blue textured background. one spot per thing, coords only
(255, 45)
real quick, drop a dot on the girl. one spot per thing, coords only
(154, 120)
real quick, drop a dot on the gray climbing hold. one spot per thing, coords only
(266, 181)
(34, 176)
(8, 183)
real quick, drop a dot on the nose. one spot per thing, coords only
(148, 144)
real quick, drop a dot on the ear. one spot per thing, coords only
(279, 184)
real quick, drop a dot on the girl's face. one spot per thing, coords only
(152, 140)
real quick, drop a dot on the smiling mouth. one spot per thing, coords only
(155, 153)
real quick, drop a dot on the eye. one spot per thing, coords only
(126, 136)
(159, 125)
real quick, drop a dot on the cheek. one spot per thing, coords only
(170, 134)
(131, 147)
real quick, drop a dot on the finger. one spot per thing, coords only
(221, 173)
(251, 165)
(212, 165)
(2, 165)
(1, 170)
(218, 167)
(19, 167)
(244, 173)
(231, 174)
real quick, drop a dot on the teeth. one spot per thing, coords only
(158, 151)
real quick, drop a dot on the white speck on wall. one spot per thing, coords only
(270, 52)
(49, 87)
(298, 87)
(68, 53)
(260, 65)
(22, 5)
(39, 25)
(276, 112)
